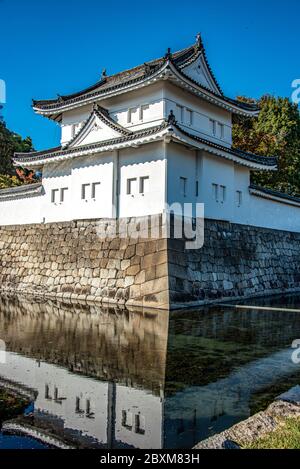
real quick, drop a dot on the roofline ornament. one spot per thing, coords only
(199, 41)
(168, 54)
(172, 118)
(147, 68)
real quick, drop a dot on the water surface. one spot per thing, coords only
(108, 378)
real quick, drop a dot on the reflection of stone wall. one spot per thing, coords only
(126, 347)
(81, 259)
(235, 261)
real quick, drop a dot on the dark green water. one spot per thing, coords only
(105, 378)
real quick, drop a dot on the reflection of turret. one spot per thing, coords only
(121, 379)
(59, 350)
(86, 412)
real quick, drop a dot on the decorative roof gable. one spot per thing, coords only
(199, 71)
(97, 128)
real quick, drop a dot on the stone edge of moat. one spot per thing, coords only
(257, 426)
(139, 306)
(13, 427)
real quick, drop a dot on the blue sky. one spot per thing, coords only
(52, 46)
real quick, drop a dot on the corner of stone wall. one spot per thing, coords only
(87, 260)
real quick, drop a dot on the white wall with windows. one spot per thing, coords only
(198, 116)
(92, 186)
(140, 109)
(216, 186)
(57, 201)
(148, 107)
(78, 189)
(181, 176)
(142, 180)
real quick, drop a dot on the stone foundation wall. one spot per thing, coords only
(81, 260)
(236, 261)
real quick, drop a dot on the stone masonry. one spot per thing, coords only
(236, 261)
(81, 260)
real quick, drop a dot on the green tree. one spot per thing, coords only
(10, 142)
(275, 132)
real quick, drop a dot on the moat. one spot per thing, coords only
(109, 378)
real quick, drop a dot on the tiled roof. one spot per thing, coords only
(61, 151)
(137, 74)
(21, 191)
(263, 160)
(57, 151)
(121, 78)
(274, 193)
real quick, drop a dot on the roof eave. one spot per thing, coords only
(223, 152)
(167, 71)
(31, 160)
(170, 132)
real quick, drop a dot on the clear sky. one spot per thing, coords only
(61, 46)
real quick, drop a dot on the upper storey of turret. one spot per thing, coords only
(187, 68)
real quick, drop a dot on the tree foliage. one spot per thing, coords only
(10, 142)
(275, 132)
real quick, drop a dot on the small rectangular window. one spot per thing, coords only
(77, 405)
(95, 186)
(129, 117)
(84, 191)
(222, 194)
(189, 116)
(88, 407)
(143, 109)
(144, 184)
(54, 193)
(183, 184)
(127, 419)
(179, 113)
(220, 130)
(47, 392)
(197, 188)
(239, 198)
(133, 115)
(215, 191)
(212, 126)
(63, 191)
(140, 425)
(131, 186)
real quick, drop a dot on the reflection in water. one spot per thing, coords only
(117, 379)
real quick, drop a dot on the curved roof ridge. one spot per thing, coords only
(130, 136)
(274, 192)
(247, 107)
(112, 78)
(29, 189)
(264, 160)
(241, 104)
(104, 115)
